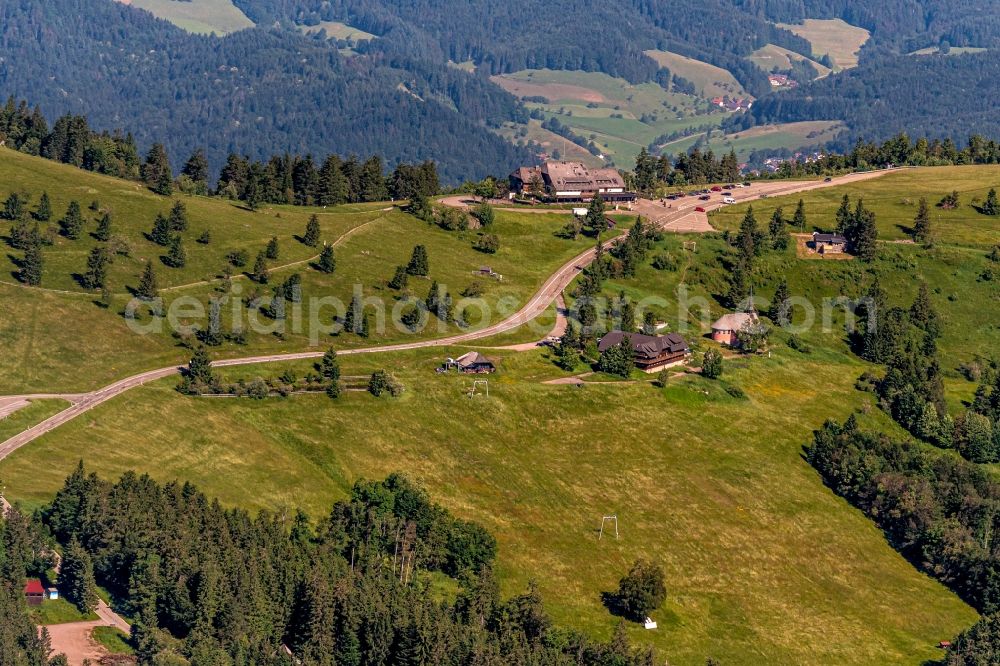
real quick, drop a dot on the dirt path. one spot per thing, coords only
(550, 291)
(74, 640)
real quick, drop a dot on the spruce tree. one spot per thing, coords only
(260, 273)
(864, 236)
(196, 168)
(778, 231)
(156, 170)
(97, 268)
(103, 232)
(44, 211)
(844, 216)
(311, 237)
(178, 219)
(199, 370)
(72, 223)
(13, 208)
(991, 206)
(799, 221)
(76, 577)
(353, 316)
(271, 251)
(418, 262)
(327, 262)
(596, 222)
(778, 312)
(33, 264)
(922, 223)
(176, 256)
(147, 289)
(161, 231)
(399, 279)
(329, 366)
(748, 239)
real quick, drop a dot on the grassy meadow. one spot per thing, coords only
(763, 563)
(609, 111)
(199, 16)
(770, 57)
(61, 338)
(834, 37)
(709, 80)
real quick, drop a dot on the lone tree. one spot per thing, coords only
(641, 591)
(327, 262)
(260, 273)
(271, 251)
(33, 264)
(199, 370)
(72, 223)
(799, 221)
(922, 223)
(147, 289)
(161, 231)
(44, 211)
(595, 222)
(778, 231)
(418, 262)
(103, 232)
(485, 214)
(399, 279)
(176, 256)
(779, 310)
(76, 578)
(311, 236)
(711, 366)
(991, 206)
(14, 207)
(178, 217)
(97, 268)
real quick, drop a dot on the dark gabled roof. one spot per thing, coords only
(836, 239)
(472, 359)
(646, 346)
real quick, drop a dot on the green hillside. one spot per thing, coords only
(763, 563)
(60, 336)
(199, 16)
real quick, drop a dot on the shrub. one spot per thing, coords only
(238, 258)
(641, 591)
(711, 366)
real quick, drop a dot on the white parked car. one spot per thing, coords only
(729, 200)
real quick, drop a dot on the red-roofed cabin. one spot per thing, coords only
(34, 592)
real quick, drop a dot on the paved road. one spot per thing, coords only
(672, 218)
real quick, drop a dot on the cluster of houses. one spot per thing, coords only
(567, 182)
(733, 104)
(772, 164)
(782, 81)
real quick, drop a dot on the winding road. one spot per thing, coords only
(680, 217)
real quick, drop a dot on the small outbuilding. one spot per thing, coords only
(726, 328)
(829, 243)
(475, 363)
(34, 592)
(53, 593)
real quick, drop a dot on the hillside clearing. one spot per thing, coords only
(791, 136)
(198, 16)
(834, 37)
(701, 495)
(338, 30)
(709, 80)
(771, 57)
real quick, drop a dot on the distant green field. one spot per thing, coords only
(834, 37)
(791, 136)
(770, 57)
(708, 79)
(338, 30)
(586, 102)
(199, 16)
(954, 50)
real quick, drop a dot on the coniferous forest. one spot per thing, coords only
(361, 585)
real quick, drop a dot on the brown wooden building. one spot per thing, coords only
(651, 352)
